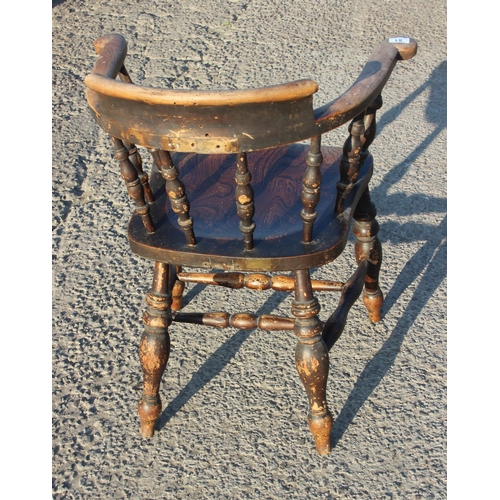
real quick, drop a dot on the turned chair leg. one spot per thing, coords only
(155, 347)
(368, 247)
(311, 359)
(177, 291)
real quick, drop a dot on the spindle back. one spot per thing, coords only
(231, 122)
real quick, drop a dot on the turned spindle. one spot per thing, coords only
(244, 200)
(242, 321)
(311, 188)
(256, 281)
(134, 155)
(136, 160)
(350, 161)
(133, 183)
(176, 192)
(370, 126)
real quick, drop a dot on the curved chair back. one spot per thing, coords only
(189, 121)
(232, 122)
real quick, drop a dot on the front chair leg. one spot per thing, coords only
(368, 247)
(155, 347)
(311, 359)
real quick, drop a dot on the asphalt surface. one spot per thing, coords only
(234, 418)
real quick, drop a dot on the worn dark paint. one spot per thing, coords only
(277, 182)
(293, 210)
(256, 281)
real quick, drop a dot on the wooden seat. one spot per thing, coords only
(234, 189)
(277, 183)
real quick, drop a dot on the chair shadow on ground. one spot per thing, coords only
(428, 263)
(216, 362)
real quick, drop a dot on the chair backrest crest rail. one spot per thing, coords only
(227, 121)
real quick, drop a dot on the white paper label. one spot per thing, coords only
(399, 40)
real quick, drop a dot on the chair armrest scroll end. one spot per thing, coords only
(115, 40)
(406, 46)
(112, 50)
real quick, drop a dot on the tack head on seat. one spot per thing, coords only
(233, 189)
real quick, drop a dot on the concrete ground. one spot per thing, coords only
(234, 418)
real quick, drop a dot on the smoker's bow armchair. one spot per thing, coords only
(233, 191)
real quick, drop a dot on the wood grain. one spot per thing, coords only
(277, 179)
(155, 96)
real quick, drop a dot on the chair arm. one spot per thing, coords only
(368, 85)
(112, 50)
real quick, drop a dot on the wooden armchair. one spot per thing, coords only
(232, 191)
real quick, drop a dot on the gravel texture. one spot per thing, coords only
(234, 418)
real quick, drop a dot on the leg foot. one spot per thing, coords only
(373, 303)
(321, 427)
(312, 364)
(149, 411)
(311, 359)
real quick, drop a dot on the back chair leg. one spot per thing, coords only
(311, 359)
(177, 291)
(155, 347)
(368, 247)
